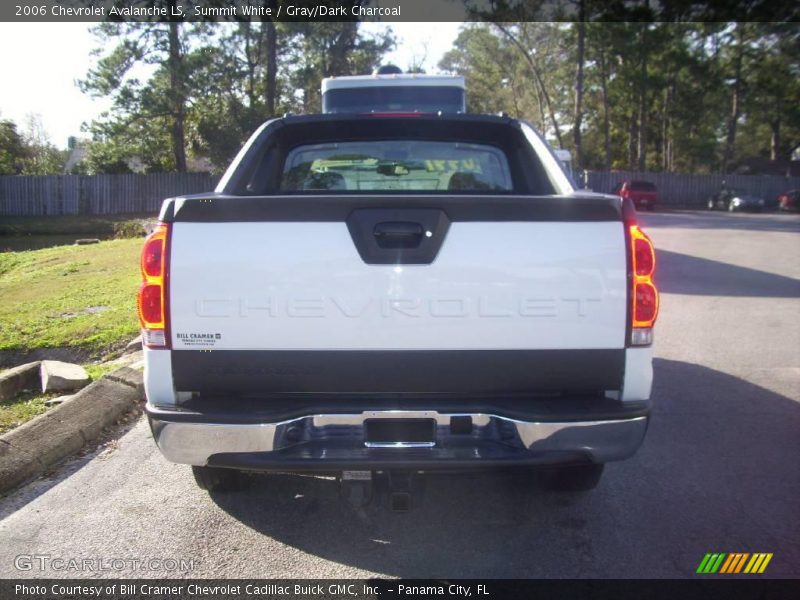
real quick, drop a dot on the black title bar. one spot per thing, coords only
(699, 588)
(394, 10)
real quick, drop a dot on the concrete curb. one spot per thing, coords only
(32, 448)
(13, 381)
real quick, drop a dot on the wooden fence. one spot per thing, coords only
(97, 194)
(693, 190)
(118, 194)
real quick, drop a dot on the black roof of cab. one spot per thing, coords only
(284, 133)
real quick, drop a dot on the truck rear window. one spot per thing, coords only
(396, 165)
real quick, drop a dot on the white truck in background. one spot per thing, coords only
(397, 293)
(388, 89)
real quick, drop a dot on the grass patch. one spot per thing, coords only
(78, 296)
(23, 408)
(97, 371)
(31, 403)
(119, 226)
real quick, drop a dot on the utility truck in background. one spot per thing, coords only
(396, 292)
(388, 89)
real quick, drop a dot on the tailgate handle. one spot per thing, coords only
(398, 234)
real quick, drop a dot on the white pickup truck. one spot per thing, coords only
(397, 293)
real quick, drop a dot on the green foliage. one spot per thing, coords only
(117, 226)
(44, 160)
(13, 151)
(656, 95)
(144, 74)
(126, 145)
(490, 69)
(315, 50)
(28, 153)
(691, 97)
(201, 89)
(133, 228)
(771, 104)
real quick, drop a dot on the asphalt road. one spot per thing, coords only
(719, 469)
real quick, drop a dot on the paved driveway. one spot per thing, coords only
(719, 470)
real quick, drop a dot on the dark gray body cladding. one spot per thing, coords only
(466, 372)
(218, 208)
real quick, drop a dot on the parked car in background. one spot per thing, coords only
(643, 193)
(789, 201)
(732, 199)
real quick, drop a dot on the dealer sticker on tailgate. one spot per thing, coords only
(198, 340)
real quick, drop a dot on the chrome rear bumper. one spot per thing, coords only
(334, 441)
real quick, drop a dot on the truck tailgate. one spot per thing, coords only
(521, 295)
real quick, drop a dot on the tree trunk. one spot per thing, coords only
(576, 131)
(340, 49)
(178, 99)
(666, 130)
(540, 104)
(515, 97)
(736, 100)
(606, 116)
(641, 142)
(252, 58)
(775, 139)
(272, 66)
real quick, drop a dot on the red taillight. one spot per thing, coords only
(644, 294)
(152, 299)
(644, 255)
(643, 263)
(152, 257)
(646, 305)
(150, 306)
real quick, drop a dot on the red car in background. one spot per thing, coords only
(642, 193)
(789, 201)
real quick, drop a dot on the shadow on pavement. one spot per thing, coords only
(717, 472)
(26, 493)
(684, 274)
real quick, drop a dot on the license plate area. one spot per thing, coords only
(400, 433)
